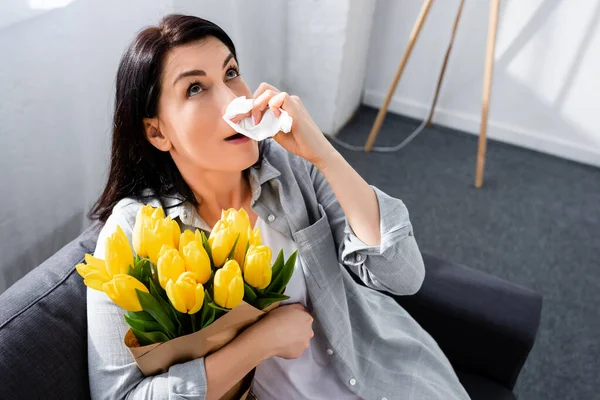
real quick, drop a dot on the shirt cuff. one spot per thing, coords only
(394, 225)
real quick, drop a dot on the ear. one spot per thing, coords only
(155, 136)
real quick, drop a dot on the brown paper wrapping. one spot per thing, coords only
(158, 357)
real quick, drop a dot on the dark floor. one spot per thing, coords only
(535, 222)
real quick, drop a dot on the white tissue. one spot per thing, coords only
(269, 124)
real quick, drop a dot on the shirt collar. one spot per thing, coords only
(176, 207)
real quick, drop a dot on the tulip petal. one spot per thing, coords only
(197, 261)
(174, 295)
(199, 298)
(222, 284)
(236, 292)
(118, 254)
(176, 233)
(94, 272)
(170, 266)
(186, 237)
(122, 291)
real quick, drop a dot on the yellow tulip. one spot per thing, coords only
(186, 237)
(240, 223)
(257, 267)
(151, 231)
(254, 237)
(117, 253)
(186, 294)
(121, 290)
(228, 285)
(221, 241)
(93, 272)
(146, 217)
(176, 232)
(197, 261)
(170, 265)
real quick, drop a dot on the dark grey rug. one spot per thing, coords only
(535, 222)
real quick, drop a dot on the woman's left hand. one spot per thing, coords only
(305, 138)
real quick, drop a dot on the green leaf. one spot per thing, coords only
(142, 315)
(142, 325)
(276, 268)
(144, 272)
(250, 295)
(217, 307)
(208, 313)
(245, 253)
(161, 295)
(232, 252)
(266, 301)
(279, 282)
(288, 271)
(207, 248)
(131, 271)
(146, 338)
(159, 292)
(153, 307)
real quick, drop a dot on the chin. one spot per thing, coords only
(246, 157)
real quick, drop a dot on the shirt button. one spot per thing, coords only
(271, 218)
(329, 352)
(352, 381)
(185, 214)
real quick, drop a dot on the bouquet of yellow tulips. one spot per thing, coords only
(187, 295)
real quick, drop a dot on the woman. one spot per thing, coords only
(172, 148)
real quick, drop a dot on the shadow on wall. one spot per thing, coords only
(38, 252)
(534, 128)
(542, 94)
(541, 16)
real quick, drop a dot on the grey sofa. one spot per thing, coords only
(485, 325)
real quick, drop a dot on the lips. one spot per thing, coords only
(235, 136)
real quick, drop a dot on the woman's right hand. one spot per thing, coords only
(286, 331)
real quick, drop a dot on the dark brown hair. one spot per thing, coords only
(135, 163)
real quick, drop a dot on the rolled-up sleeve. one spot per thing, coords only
(113, 374)
(395, 265)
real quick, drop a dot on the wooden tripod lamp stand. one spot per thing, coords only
(487, 79)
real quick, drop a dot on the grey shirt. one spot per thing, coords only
(377, 349)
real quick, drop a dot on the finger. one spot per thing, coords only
(262, 88)
(240, 117)
(278, 101)
(280, 138)
(261, 103)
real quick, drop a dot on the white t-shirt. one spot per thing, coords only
(310, 376)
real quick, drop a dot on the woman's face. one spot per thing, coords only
(199, 80)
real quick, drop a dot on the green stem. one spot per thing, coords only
(193, 318)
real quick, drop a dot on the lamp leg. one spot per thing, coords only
(487, 88)
(443, 71)
(411, 43)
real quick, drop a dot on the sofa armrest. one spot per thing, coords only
(484, 325)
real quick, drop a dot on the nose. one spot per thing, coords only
(225, 96)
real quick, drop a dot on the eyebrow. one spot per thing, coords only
(199, 72)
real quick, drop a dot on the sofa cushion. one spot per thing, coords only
(43, 328)
(480, 388)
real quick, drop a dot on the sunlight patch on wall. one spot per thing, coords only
(48, 4)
